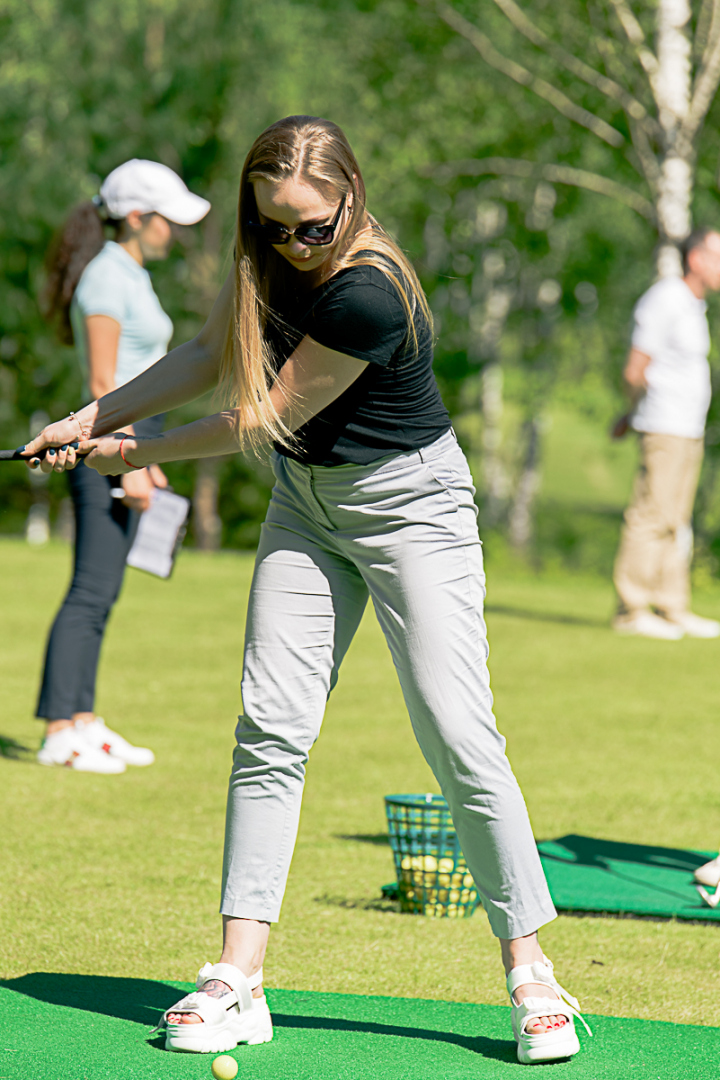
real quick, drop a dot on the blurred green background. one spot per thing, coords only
(532, 283)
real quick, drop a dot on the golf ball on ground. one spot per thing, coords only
(224, 1067)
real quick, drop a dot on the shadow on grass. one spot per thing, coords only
(588, 851)
(10, 748)
(380, 839)
(143, 1001)
(619, 864)
(498, 1049)
(546, 616)
(359, 903)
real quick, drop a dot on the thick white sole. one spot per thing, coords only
(554, 1046)
(116, 768)
(251, 1027)
(709, 874)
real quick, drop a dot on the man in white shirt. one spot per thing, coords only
(668, 378)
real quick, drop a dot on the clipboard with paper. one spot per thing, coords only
(160, 533)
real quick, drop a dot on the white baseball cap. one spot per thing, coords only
(150, 187)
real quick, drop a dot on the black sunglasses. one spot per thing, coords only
(312, 235)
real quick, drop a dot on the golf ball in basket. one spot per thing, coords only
(224, 1067)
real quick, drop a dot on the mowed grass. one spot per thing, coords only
(119, 876)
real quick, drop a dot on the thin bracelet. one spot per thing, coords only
(129, 463)
(84, 432)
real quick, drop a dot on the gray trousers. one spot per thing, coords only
(403, 531)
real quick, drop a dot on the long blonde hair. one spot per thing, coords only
(316, 151)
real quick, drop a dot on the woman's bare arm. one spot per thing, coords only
(310, 380)
(184, 374)
(102, 337)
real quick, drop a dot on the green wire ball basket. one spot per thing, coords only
(432, 875)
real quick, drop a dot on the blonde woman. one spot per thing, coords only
(322, 336)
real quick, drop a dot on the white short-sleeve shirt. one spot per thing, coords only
(114, 284)
(671, 327)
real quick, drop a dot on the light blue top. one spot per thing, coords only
(114, 284)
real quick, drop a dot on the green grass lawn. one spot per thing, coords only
(118, 876)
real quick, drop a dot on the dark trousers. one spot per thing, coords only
(104, 533)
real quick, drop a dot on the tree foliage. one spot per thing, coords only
(484, 179)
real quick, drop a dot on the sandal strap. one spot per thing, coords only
(241, 984)
(712, 900)
(539, 972)
(542, 972)
(210, 1010)
(199, 1002)
(532, 1008)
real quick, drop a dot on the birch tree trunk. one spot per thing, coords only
(672, 87)
(521, 514)
(207, 524)
(486, 334)
(497, 484)
(683, 75)
(663, 118)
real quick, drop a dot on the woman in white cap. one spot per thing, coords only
(102, 298)
(324, 335)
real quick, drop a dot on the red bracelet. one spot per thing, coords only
(129, 463)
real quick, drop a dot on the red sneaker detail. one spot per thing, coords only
(106, 747)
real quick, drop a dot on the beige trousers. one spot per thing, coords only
(652, 568)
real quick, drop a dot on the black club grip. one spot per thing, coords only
(17, 455)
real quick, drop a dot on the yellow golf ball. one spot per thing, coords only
(224, 1067)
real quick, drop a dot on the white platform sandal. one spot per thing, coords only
(550, 1045)
(709, 873)
(236, 1017)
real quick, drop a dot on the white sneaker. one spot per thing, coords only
(69, 747)
(99, 735)
(709, 873)
(647, 624)
(695, 625)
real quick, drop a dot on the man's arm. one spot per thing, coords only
(636, 383)
(635, 387)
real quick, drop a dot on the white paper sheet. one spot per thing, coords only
(160, 533)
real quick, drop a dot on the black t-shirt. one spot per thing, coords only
(394, 406)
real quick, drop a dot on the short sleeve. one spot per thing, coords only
(361, 315)
(100, 292)
(652, 314)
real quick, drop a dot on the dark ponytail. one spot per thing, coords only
(81, 239)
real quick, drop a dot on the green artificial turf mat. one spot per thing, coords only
(84, 1027)
(602, 875)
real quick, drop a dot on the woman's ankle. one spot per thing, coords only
(53, 726)
(519, 951)
(247, 971)
(83, 717)
(244, 945)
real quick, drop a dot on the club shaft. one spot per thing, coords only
(17, 455)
